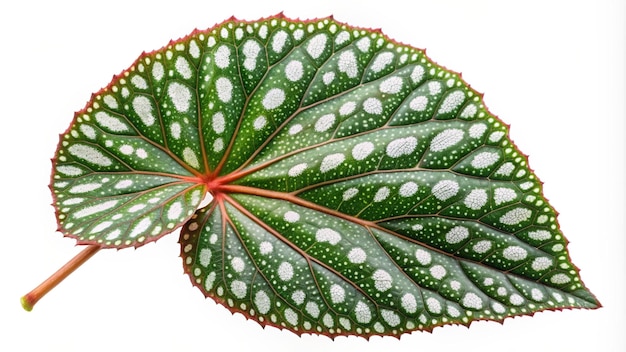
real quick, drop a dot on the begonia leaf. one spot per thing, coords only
(355, 186)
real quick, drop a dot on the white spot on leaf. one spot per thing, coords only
(419, 103)
(437, 271)
(324, 123)
(259, 123)
(382, 280)
(347, 108)
(381, 61)
(274, 98)
(362, 150)
(541, 263)
(357, 255)
(472, 300)
(297, 170)
(141, 227)
(337, 294)
(516, 216)
(291, 316)
(222, 57)
(445, 189)
(157, 71)
(238, 264)
(408, 189)
(328, 77)
(348, 64)
(295, 129)
(540, 235)
(279, 40)
(391, 85)
(503, 195)
(182, 66)
(175, 130)
(409, 303)
(180, 95)
(381, 194)
(417, 74)
(90, 154)
(327, 235)
(446, 139)
(123, 184)
(139, 82)
(485, 159)
(251, 51)
(316, 45)
(294, 71)
(331, 162)
(433, 305)
(84, 188)
(95, 209)
(239, 289)
(476, 199)
(401, 146)
(190, 158)
(477, 130)
(515, 253)
(262, 302)
(69, 170)
(285, 271)
(291, 216)
(373, 106)
(423, 257)
(205, 257)
(452, 101)
(457, 234)
(110, 101)
(349, 193)
(560, 279)
(219, 123)
(363, 44)
(175, 210)
(481, 246)
(266, 247)
(224, 89)
(362, 313)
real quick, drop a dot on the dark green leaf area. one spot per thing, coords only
(280, 42)
(390, 194)
(465, 285)
(317, 280)
(368, 107)
(343, 71)
(222, 99)
(272, 102)
(394, 148)
(355, 111)
(110, 152)
(314, 272)
(241, 264)
(498, 250)
(121, 209)
(252, 55)
(141, 116)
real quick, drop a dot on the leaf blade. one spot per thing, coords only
(359, 188)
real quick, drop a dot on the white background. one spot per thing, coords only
(552, 70)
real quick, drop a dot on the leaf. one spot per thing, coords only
(350, 184)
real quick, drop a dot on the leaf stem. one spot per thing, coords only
(30, 299)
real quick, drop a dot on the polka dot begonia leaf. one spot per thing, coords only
(326, 180)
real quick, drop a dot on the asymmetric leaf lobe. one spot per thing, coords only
(358, 187)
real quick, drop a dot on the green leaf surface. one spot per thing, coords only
(356, 187)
